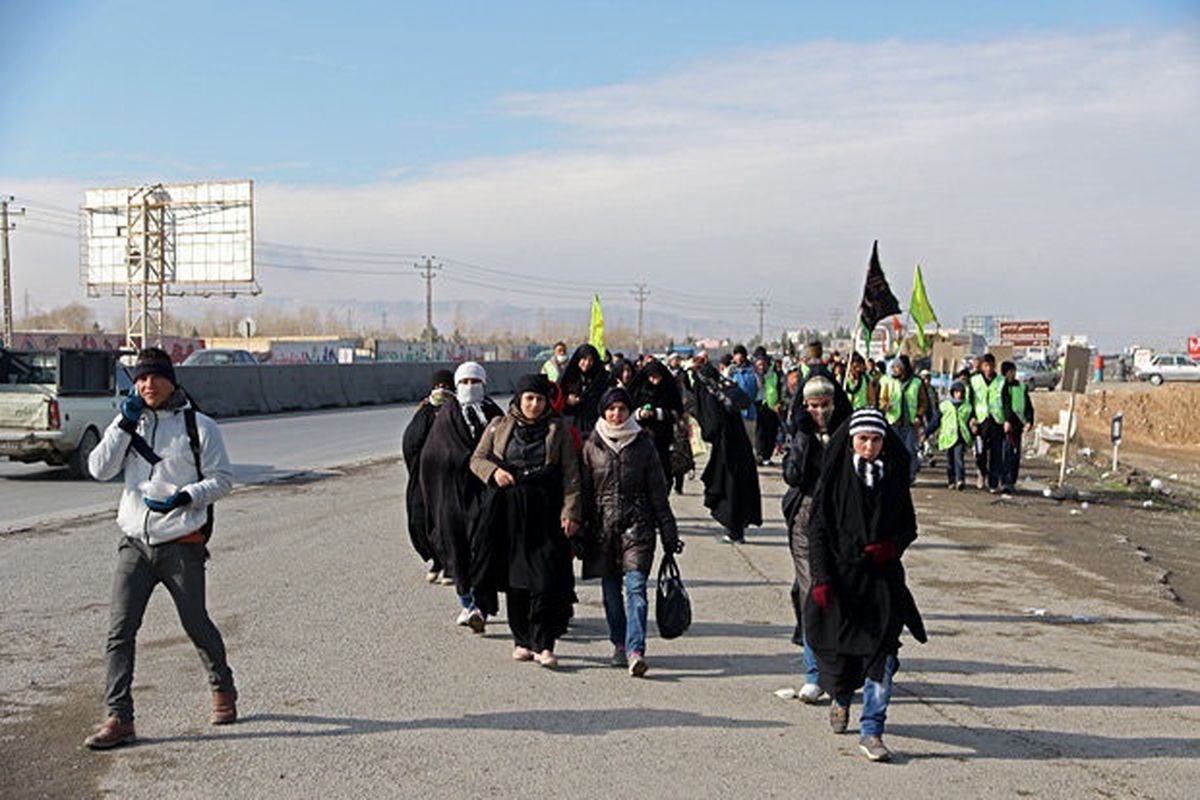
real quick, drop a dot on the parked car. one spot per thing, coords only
(55, 405)
(219, 357)
(1037, 375)
(1169, 367)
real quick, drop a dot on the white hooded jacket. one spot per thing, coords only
(165, 430)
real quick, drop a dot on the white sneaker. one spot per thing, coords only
(810, 694)
(475, 621)
(464, 618)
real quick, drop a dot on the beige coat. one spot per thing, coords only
(560, 452)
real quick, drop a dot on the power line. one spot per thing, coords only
(428, 275)
(761, 305)
(640, 294)
(6, 262)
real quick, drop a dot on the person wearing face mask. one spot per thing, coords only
(451, 494)
(820, 409)
(556, 363)
(625, 494)
(530, 512)
(862, 522)
(413, 440)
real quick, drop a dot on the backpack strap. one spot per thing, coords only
(193, 432)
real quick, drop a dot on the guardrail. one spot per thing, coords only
(231, 391)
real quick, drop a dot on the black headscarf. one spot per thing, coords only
(590, 386)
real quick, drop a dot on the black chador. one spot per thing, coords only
(451, 492)
(870, 604)
(731, 490)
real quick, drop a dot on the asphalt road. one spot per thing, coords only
(262, 449)
(355, 683)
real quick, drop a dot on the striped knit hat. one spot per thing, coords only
(868, 420)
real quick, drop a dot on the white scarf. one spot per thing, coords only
(870, 472)
(618, 438)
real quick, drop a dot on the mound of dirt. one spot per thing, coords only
(1158, 415)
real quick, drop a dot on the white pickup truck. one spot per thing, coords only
(54, 406)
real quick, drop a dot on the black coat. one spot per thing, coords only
(451, 492)
(625, 503)
(414, 439)
(589, 386)
(861, 627)
(731, 490)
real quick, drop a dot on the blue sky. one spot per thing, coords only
(354, 92)
(1022, 152)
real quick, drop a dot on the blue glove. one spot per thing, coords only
(168, 503)
(132, 407)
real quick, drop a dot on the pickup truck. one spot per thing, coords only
(54, 406)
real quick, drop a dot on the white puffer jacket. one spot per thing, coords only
(165, 430)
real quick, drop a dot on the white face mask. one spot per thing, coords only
(470, 393)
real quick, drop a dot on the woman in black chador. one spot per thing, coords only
(731, 490)
(531, 509)
(413, 441)
(451, 493)
(657, 406)
(862, 522)
(583, 383)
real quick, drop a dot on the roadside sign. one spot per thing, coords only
(1194, 347)
(1118, 425)
(1075, 369)
(1025, 333)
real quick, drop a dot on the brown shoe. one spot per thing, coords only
(839, 717)
(224, 707)
(112, 733)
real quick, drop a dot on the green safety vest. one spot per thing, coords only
(859, 396)
(902, 399)
(987, 397)
(949, 434)
(771, 388)
(1018, 395)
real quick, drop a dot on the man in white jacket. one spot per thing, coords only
(175, 468)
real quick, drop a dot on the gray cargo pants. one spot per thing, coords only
(141, 567)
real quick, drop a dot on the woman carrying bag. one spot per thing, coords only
(625, 493)
(530, 510)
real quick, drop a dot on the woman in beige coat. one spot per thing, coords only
(531, 510)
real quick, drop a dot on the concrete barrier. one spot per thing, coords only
(224, 391)
(230, 391)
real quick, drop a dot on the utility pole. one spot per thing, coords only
(640, 294)
(4, 256)
(427, 272)
(761, 305)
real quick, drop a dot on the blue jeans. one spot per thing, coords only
(955, 463)
(811, 673)
(908, 435)
(626, 630)
(876, 697)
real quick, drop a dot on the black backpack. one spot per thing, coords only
(193, 432)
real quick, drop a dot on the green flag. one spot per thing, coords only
(919, 308)
(596, 330)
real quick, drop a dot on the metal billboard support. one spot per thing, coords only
(194, 239)
(146, 264)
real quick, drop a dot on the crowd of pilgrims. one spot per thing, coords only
(581, 464)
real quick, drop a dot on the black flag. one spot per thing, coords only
(878, 301)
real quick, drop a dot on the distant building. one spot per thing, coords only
(986, 325)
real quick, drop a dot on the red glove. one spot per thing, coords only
(821, 595)
(882, 551)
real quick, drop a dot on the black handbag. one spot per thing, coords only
(672, 608)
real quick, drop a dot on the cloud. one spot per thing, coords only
(1046, 176)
